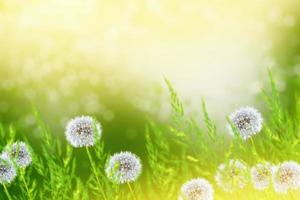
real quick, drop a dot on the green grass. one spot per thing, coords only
(176, 152)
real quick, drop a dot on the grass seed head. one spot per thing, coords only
(232, 175)
(261, 175)
(197, 189)
(7, 170)
(19, 153)
(286, 176)
(123, 167)
(83, 131)
(247, 120)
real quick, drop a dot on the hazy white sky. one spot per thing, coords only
(206, 48)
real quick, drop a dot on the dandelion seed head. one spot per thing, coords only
(286, 176)
(83, 131)
(232, 175)
(261, 175)
(197, 189)
(123, 167)
(247, 120)
(19, 153)
(7, 169)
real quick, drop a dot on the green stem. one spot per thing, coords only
(6, 192)
(131, 191)
(95, 172)
(254, 149)
(26, 186)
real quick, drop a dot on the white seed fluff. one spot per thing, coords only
(19, 153)
(7, 170)
(261, 175)
(83, 131)
(247, 120)
(232, 175)
(197, 189)
(123, 167)
(286, 176)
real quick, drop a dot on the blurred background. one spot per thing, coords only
(109, 59)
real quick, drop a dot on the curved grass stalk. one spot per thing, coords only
(95, 173)
(131, 191)
(254, 151)
(26, 186)
(6, 192)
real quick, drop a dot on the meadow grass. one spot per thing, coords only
(176, 152)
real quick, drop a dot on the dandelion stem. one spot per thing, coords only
(6, 192)
(26, 186)
(95, 173)
(254, 148)
(131, 191)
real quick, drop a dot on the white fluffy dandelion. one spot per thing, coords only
(197, 189)
(247, 120)
(7, 170)
(232, 175)
(286, 176)
(123, 167)
(261, 175)
(19, 153)
(83, 131)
